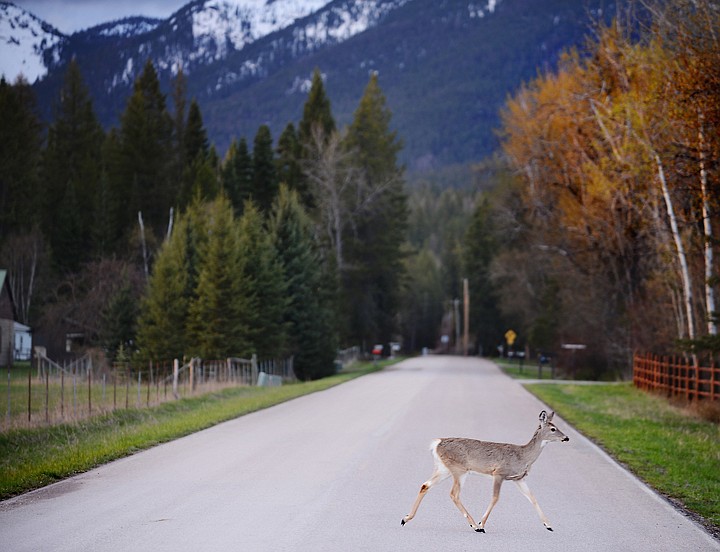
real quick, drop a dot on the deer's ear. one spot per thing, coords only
(550, 417)
(543, 417)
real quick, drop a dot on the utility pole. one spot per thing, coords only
(456, 315)
(466, 313)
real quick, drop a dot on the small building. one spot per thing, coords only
(23, 342)
(8, 317)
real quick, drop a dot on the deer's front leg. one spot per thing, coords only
(524, 489)
(497, 483)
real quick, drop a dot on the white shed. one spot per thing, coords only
(23, 342)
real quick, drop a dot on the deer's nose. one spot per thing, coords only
(566, 439)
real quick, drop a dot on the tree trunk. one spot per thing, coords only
(707, 231)
(682, 258)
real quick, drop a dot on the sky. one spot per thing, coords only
(69, 16)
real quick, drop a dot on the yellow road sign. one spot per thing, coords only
(510, 337)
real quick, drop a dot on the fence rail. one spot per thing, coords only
(49, 392)
(676, 376)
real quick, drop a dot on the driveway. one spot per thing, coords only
(337, 470)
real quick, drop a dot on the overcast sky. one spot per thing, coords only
(73, 15)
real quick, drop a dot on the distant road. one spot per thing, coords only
(337, 470)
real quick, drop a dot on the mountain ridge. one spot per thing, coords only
(446, 67)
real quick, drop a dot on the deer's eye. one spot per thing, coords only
(552, 429)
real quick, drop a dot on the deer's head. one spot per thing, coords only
(547, 430)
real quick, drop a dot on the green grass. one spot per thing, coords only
(671, 449)
(529, 370)
(32, 458)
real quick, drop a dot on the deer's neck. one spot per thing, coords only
(534, 447)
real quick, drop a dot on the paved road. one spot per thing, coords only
(337, 470)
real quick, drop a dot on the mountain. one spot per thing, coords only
(446, 66)
(27, 43)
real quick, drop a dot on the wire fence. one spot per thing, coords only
(47, 392)
(676, 376)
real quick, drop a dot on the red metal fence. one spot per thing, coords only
(676, 376)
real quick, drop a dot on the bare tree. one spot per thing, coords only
(23, 256)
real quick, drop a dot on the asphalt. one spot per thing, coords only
(337, 471)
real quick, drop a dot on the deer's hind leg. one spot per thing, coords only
(458, 481)
(440, 473)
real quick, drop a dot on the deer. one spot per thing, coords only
(457, 457)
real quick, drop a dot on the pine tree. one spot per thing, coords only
(72, 167)
(316, 112)
(237, 173)
(265, 284)
(288, 160)
(309, 316)
(317, 118)
(179, 97)
(264, 182)
(195, 137)
(119, 320)
(373, 252)
(479, 249)
(142, 169)
(218, 318)
(20, 149)
(161, 333)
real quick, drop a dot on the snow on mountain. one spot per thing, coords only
(129, 26)
(25, 43)
(342, 21)
(335, 22)
(218, 24)
(202, 32)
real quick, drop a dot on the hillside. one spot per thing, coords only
(446, 67)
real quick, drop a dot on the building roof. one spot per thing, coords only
(5, 285)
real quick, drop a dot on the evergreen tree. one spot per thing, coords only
(219, 317)
(373, 252)
(142, 169)
(72, 169)
(20, 149)
(161, 331)
(265, 284)
(309, 315)
(264, 182)
(104, 230)
(236, 174)
(205, 183)
(480, 248)
(422, 302)
(195, 137)
(179, 97)
(119, 320)
(316, 112)
(288, 160)
(317, 117)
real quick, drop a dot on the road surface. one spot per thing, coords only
(337, 470)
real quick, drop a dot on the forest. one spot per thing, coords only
(594, 224)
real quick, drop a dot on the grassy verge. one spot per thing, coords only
(32, 458)
(668, 447)
(528, 370)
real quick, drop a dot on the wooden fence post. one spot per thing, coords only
(192, 375)
(29, 393)
(254, 369)
(89, 372)
(176, 365)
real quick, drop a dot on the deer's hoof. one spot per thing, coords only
(479, 530)
(402, 522)
(549, 528)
